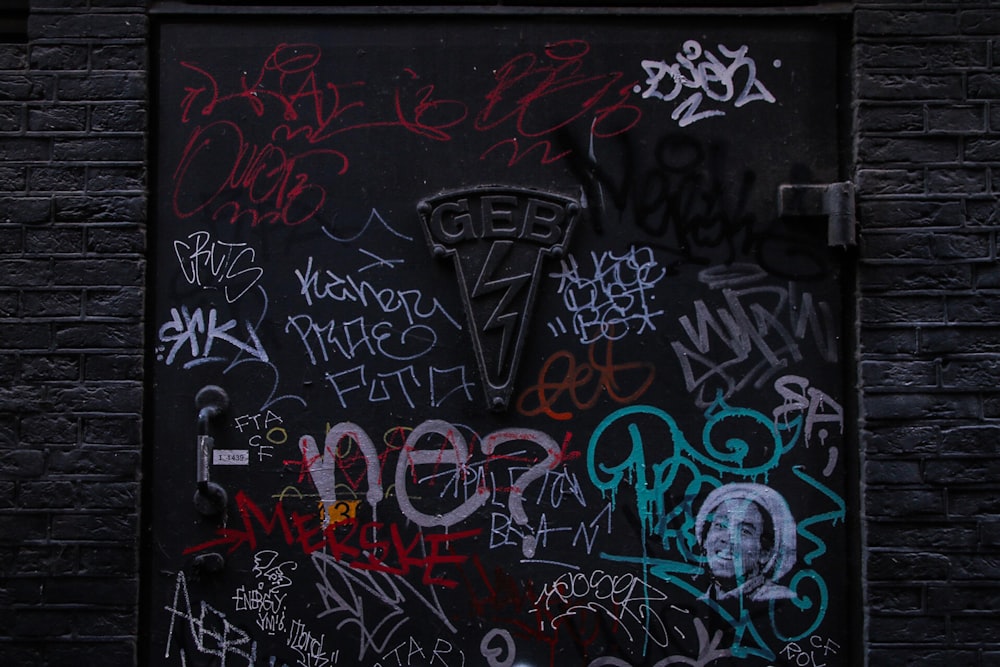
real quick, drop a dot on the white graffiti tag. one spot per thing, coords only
(709, 78)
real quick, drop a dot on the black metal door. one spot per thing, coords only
(489, 340)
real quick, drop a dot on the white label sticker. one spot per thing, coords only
(231, 457)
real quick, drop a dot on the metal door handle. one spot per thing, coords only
(209, 498)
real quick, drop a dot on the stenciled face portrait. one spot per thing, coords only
(748, 536)
(733, 544)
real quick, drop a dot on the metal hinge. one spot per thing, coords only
(834, 200)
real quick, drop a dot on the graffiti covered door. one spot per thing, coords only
(487, 341)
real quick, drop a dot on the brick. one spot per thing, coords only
(957, 339)
(93, 526)
(915, 504)
(916, 277)
(116, 178)
(100, 495)
(112, 430)
(49, 429)
(113, 367)
(909, 629)
(909, 310)
(979, 22)
(873, 22)
(909, 213)
(982, 213)
(892, 472)
(81, 652)
(118, 118)
(20, 398)
(888, 341)
(904, 150)
(938, 56)
(101, 335)
(63, 118)
(42, 622)
(119, 56)
(48, 494)
(987, 276)
(943, 536)
(21, 464)
(12, 117)
(874, 182)
(13, 178)
(50, 367)
(86, 25)
(973, 374)
(968, 181)
(25, 210)
(13, 56)
(97, 561)
(885, 117)
(953, 598)
(102, 87)
(53, 241)
(17, 87)
(927, 245)
(909, 567)
(965, 567)
(51, 303)
(116, 240)
(14, 149)
(898, 86)
(56, 179)
(984, 86)
(976, 629)
(100, 209)
(966, 503)
(126, 302)
(952, 472)
(900, 374)
(24, 335)
(957, 118)
(927, 406)
(87, 272)
(87, 590)
(95, 461)
(925, 657)
(106, 397)
(59, 57)
(98, 149)
(895, 598)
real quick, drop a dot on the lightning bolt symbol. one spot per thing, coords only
(500, 318)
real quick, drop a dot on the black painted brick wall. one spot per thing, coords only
(72, 216)
(928, 171)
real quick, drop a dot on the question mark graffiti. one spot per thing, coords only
(516, 499)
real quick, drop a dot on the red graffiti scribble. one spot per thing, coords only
(600, 377)
(543, 94)
(361, 547)
(315, 109)
(272, 184)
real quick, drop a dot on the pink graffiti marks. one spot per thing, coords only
(284, 179)
(316, 109)
(541, 94)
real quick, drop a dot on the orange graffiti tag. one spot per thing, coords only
(561, 376)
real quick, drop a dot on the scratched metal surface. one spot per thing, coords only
(658, 475)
